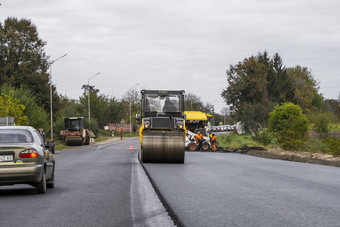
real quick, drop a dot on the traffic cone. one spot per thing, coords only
(130, 147)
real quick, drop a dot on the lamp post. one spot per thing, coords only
(51, 63)
(130, 104)
(88, 94)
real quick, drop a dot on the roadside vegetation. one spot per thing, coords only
(314, 143)
(278, 105)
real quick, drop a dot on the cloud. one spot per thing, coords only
(180, 44)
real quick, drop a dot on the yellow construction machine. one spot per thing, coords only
(162, 132)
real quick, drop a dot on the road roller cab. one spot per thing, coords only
(162, 132)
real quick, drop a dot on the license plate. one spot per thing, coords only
(6, 158)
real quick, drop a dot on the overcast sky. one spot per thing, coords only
(180, 44)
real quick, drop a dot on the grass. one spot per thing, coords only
(334, 127)
(238, 141)
(60, 145)
(314, 145)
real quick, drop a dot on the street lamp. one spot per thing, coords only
(130, 104)
(51, 63)
(88, 94)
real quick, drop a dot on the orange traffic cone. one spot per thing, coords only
(130, 147)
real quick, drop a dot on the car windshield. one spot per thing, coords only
(15, 136)
(162, 103)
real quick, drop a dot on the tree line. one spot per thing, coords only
(25, 86)
(259, 83)
(255, 86)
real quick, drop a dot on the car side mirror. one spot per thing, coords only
(137, 117)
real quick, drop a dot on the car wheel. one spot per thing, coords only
(50, 182)
(41, 186)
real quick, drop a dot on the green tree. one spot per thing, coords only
(23, 59)
(10, 106)
(305, 89)
(36, 115)
(289, 125)
(248, 88)
(258, 83)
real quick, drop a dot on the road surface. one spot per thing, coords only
(96, 185)
(229, 189)
(105, 185)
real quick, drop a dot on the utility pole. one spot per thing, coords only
(88, 95)
(51, 63)
(130, 104)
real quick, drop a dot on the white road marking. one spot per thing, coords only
(146, 208)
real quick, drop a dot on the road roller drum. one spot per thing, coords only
(163, 148)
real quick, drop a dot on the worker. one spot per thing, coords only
(210, 136)
(213, 142)
(121, 133)
(42, 133)
(199, 139)
(169, 106)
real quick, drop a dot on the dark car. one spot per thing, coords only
(25, 158)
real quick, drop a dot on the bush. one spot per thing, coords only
(289, 125)
(333, 146)
(93, 126)
(321, 124)
(264, 136)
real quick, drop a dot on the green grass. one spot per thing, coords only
(238, 141)
(334, 127)
(235, 141)
(315, 145)
(60, 145)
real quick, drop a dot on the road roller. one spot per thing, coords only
(162, 132)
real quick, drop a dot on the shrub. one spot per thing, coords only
(321, 124)
(264, 136)
(333, 146)
(289, 125)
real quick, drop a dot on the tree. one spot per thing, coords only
(305, 89)
(36, 115)
(23, 59)
(247, 87)
(10, 106)
(289, 125)
(193, 102)
(280, 87)
(258, 83)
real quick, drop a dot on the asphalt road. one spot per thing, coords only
(229, 189)
(104, 185)
(97, 185)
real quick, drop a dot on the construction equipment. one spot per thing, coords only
(162, 131)
(75, 133)
(192, 145)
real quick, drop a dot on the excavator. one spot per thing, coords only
(162, 132)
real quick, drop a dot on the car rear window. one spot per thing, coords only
(15, 136)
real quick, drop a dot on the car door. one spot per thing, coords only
(48, 156)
